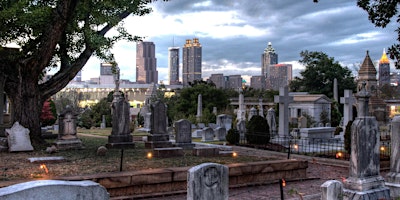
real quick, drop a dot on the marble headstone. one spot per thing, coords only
(18, 138)
(67, 134)
(208, 181)
(183, 134)
(207, 134)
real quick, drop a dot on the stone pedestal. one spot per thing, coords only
(159, 137)
(393, 177)
(120, 141)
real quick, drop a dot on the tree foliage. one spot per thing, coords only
(184, 103)
(319, 74)
(381, 13)
(49, 114)
(257, 130)
(63, 33)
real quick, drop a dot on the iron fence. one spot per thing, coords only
(319, 147)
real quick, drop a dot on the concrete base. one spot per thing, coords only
(394, 190)
(69, 144)
(185, 145)
(364, 184)
(120, 138)
(168, 152)
(157, 144)
(121, 145)
(378, 193)
(205, 151)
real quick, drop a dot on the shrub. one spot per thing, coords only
(233, 136)
(49, 114)
(257, 131)
(347, 137)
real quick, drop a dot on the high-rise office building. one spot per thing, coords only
(106, 74)
(191, 61)
(384, 70)
(268, 58)
(258, 82)
(279, 76)
(146, 63)
(173, 65)
(219, 80)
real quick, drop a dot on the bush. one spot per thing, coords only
(233, 136)
(49, 113)
(257, 131)
(347, 137)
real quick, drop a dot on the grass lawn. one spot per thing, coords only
(15, 166)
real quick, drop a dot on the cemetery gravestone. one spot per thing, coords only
(208, 181)
(220, 134)
(303, 122)
(207, 134)
(364, 181)
(283, 99)
(393, 177)
(271, 120)
(55, 189)
(67, 134)
(158, 137)
(241, 127)
(183, 134)
(348, 100)
(18, 138)
(253, 112)
(224, 121)
(199, 108)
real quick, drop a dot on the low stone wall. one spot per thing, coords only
(166, 181)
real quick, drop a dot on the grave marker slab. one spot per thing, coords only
(18, 138)
(55, 189)
(283, 99)
(183, 134)
(208, 181)
(67, 136)
(207, 134)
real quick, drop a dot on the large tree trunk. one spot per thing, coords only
(26, 103)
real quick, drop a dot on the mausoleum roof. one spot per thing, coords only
(367, 66)
(311, 98)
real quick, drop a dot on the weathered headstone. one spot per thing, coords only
(224, 120)
(208, 181)
(67, 134)
(260, 108)
(121, 134)
(393, 177)
(348, 100)
(199, 108)
(103, 122)
(55, 189)
(283, 99)
(364, 181)
(335, 90)
(241, 127)
(303, 122)
(183, 134)
(332, 190)
(220, 133)
(18, 138)
(207, 134)
(241, 112)
(158, 137)
(253, 112)
(271, 120)
(214, 111)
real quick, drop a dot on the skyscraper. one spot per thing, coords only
(173, 65)
(384, 70)
(146, 63)
(279, 76)
(191, 61)
(269, 57)
(106, 74)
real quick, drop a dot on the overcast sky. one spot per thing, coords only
(234, 34)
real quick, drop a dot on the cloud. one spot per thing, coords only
(234, 34)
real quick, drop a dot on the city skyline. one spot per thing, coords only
(234, 34)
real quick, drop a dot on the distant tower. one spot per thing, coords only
(106, 74)
(384, 70)
(367, 76)
(191, 61)
(269, 57)
(173, 65)
(146, 63)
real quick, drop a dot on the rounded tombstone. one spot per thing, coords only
(101, 151)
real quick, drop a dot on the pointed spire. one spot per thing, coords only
(367, 66)
(269, 48)
(384, 59)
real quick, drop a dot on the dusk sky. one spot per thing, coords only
(234, 34)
